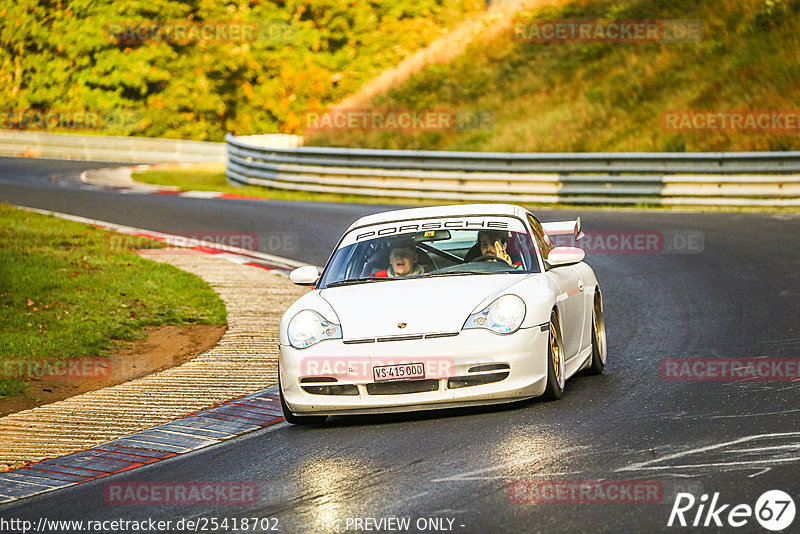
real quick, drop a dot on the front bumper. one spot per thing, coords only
(455, 373)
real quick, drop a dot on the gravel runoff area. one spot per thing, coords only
(244, 361)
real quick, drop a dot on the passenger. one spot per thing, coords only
(494, 243)
(403, 262)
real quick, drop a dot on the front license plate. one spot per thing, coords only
(402, 371)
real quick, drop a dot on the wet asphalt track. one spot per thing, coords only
(738, 298)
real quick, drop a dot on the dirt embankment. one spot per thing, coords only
(164, 347)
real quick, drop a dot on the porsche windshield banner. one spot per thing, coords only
(421, 225)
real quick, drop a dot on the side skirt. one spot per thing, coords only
(581, 361)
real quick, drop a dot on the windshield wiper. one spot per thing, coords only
(358, 281)
(451, 273)
(460, 273)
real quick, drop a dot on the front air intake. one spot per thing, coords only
(401, 387)
(457, 382)
(489, 367)
(334, 389)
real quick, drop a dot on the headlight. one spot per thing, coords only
(308, 328)
(503, 316)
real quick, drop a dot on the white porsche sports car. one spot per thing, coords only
(440, 307)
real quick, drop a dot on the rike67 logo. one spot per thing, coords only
(774, 510)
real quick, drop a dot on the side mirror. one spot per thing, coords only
(306, 275)
(560, 256)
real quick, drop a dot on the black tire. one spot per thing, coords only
(298, 419)
(599, 347)
(555, 353)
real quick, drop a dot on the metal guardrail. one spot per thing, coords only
(272, 140)
(719, 178)
(107, 148)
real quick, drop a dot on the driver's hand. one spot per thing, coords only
(501, 253)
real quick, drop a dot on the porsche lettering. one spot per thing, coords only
(403, 228)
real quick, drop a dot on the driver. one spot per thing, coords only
(403, 261)
(494, 243)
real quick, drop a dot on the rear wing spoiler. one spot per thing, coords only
(564, 228)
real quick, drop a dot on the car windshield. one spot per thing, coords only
(431, 247)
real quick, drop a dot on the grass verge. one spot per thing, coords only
(211, 177)
(64, 293)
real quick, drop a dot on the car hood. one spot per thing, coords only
(424, 305)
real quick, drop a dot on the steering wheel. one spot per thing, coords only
(486, 257)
